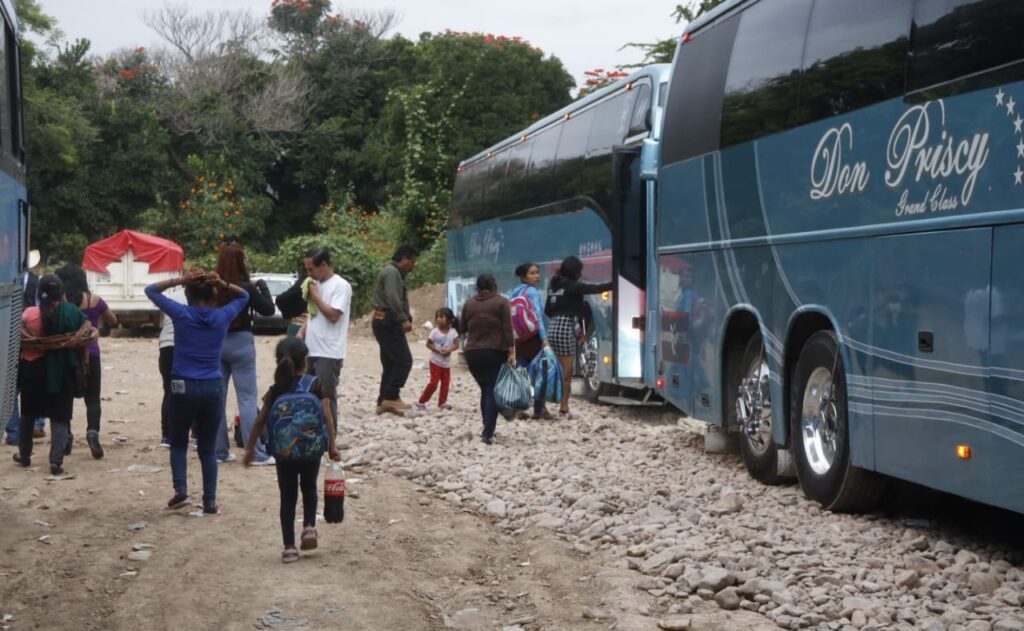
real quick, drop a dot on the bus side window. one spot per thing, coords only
(572, 146)
(694, 113)
(955, 38)
(13, 91)
(855, 56)
(5, 93)
(761, 89)
(640, 121)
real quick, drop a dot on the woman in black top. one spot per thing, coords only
(239, 352)
(566, 309)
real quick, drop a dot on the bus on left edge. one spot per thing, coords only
(14, 215)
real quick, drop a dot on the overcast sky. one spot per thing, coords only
(584, 35)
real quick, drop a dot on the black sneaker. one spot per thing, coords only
(27, 462)
(210, 509)
(56, 469)
(93, 438)
(179, 500)
(69, 444)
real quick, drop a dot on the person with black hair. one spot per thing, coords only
(528, 348)
(487, 323)
(296, 473)
(76, 288)
(64, 378)
(392, 319)
(196, 386)
(442, 342)
(567, 308)
(326, 331)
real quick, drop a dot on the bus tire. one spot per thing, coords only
(586, 364)
(751, 391)
(820, 431)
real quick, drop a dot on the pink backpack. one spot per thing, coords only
(524, 318)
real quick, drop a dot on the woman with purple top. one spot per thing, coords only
(76, 288)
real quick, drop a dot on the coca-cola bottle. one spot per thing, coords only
(334, 494)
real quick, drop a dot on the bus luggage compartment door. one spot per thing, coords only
(629, 261)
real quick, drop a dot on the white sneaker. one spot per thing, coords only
(263, 463)
(165, 444)
(231, 458)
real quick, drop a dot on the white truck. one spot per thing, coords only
(120, 267)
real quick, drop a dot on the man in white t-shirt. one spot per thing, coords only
(326, 331)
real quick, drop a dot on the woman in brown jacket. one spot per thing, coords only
(487, 322)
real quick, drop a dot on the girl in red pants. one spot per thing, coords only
(442, 342)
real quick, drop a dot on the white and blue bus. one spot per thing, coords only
(839, 231)
(548, 192)
(14, 218)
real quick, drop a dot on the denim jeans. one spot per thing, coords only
(12, 426)
(484, 365)
(200, 403)
(239, 363)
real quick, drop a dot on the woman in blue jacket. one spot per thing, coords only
(526, 350)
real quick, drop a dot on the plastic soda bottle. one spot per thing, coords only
(334, 494)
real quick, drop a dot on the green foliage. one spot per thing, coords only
(214, 212)
(662, 51)
(430, 266)
(350, 257)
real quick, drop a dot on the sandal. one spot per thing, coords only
(309, 541)
(289, 555)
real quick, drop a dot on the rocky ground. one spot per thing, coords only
(616, 519)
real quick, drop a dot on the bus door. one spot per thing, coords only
(629, 259)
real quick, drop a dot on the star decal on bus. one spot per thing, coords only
(1003, 99)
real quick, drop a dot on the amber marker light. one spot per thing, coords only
(607, 359)
(963, 452)
(605, 295)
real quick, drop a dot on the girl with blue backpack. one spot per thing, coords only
(297, 415)
(528, 326)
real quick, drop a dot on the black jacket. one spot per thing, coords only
(260, 301)
(565, 297)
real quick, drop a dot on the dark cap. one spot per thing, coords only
(50, 288)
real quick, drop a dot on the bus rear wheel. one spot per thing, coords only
(764, 460)
(819, 426)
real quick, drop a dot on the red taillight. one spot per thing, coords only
(686, 38)
(660, 383)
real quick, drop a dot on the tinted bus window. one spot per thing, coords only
(5, 92)
(572, 146)
(541, 175)
(694, 113)
(955, 38)
(515, 186)
(761, 88)
(14, 90)
(610, 120)
(640, 121)
(855, 55)
(494, 183)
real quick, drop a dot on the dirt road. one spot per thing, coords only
(401, 560)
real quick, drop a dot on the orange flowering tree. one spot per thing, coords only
(594, 80)
(214, 211)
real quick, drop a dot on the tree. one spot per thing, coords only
(662, 51)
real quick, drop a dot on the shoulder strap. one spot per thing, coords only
(305, 383)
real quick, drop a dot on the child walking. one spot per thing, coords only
(297, 413)
(442, 342)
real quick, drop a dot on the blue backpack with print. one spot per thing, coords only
(295, 425)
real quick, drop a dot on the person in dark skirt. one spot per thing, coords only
(567, 309)
(487, 323)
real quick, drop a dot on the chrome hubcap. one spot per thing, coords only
(590, 364)
(754, 407)
(819, 421)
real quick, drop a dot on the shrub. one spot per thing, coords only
(350, 258)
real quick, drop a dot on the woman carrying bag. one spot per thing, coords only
(487, 322)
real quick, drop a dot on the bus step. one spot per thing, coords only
(631, 402)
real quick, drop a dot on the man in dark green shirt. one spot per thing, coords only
(392, 319)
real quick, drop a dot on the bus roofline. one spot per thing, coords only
(659, 73)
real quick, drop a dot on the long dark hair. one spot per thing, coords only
(291, 355)
(231, 268)
(571, 268)
(75, 283)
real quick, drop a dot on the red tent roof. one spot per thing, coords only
(161, 254)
